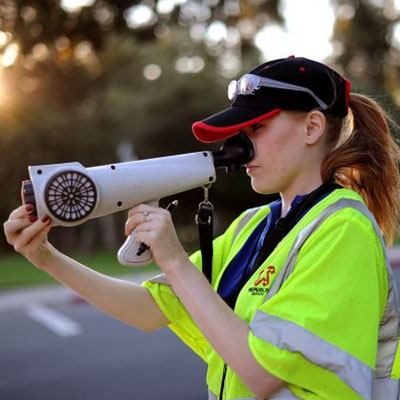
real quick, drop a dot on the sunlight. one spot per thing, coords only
(3, 38)
(138, 16)
(10, 55)
(75, 5)
(8, 96)
(152, 72)
(396, 35)
(167, 6)
(308, 28)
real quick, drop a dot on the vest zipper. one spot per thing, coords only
(221, 391)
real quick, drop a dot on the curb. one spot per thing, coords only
(57, 293)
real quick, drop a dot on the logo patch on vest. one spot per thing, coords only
(262, 281)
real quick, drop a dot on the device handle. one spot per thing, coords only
(127, 254)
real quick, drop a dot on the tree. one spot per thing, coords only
(367, 48)
(33, 22)
(120, 105)
(82, 82)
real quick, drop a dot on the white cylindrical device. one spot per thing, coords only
(71, 194)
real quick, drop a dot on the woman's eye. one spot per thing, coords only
(256, 127)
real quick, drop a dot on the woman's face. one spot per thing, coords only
(280, 158)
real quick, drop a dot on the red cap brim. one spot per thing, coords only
(209, 130)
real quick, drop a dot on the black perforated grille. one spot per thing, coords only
(70, 196)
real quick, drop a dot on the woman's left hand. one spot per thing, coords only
(154, 227)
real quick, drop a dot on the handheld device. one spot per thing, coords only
(72, 194)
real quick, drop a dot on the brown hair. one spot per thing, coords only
(366, 158)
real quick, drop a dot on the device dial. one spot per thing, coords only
(70, 196)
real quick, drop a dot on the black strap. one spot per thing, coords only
(281, 228)
(285, 224)
(204, 221)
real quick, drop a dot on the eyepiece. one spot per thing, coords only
(235, 152)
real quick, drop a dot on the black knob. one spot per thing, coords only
(27, 193)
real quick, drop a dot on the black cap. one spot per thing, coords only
(293, 83)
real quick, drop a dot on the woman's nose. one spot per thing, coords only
(247, 131)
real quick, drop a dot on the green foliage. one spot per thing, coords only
(367, 50)
(46, 21)
(78, 89)
(58, 105)
(120, 104)
(15, 271)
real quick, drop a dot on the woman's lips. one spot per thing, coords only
(250, 168)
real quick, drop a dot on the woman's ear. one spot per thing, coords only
(315, 126)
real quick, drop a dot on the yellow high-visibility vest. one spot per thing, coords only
(322, 308)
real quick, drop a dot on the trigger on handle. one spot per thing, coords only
(127, 254)
(131, 253)
(142, 248)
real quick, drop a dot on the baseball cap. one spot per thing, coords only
(293, 83)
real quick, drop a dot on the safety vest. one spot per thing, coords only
(322, 308)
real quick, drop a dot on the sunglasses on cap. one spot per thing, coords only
(249, 83)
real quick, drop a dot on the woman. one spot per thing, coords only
(302, 303)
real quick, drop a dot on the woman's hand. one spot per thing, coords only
(154, 227)
(28, 235)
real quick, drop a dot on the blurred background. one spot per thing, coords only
(100, 82)
(107, 81)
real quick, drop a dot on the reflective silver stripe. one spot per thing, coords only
(390, 324)
(246, 398)
(211, 395)
(302, 237)
(250, 213)
(289, 336)
(387, 389)
(388, 339)
(389, 327)
(283, 394)
(161, 278)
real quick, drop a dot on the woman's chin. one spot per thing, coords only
(262, 189)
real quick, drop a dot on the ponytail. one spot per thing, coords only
(366, 158)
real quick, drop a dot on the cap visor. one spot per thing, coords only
(229, 122)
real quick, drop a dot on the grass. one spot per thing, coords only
(17, 272)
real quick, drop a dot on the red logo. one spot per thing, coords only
(264, 276)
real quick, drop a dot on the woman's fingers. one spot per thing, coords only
(36, 240)
(141, 214)
(22, 211)
(142, 208)
(136, 219)
(18, 220)
(140, 217)
(14, 227)
(29, 234)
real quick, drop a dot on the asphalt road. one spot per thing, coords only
(54, 346)
(100, 359)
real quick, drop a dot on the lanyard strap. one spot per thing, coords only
(277, 233)
(204, 221)
(285, 224)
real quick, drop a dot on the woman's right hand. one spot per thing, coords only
(28, 235)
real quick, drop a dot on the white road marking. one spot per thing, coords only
(53, 320)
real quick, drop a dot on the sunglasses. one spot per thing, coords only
(249, 83)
